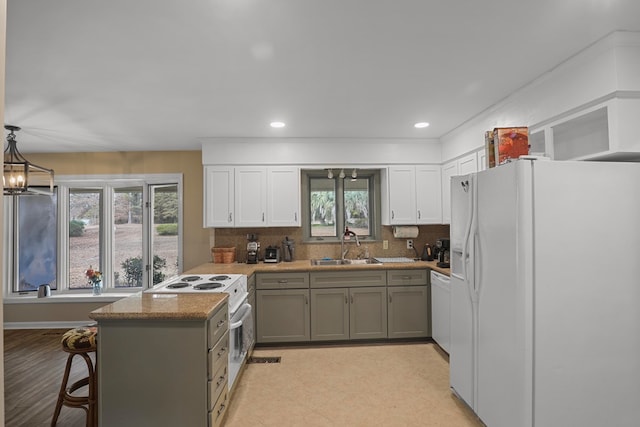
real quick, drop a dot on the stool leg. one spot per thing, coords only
(92, 405)
(61, 394)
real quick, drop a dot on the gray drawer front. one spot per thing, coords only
(407, 277)
(348, 279)
(218, 325)
(218, 355)
(282, 280)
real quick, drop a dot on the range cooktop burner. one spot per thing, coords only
(220, 278)
(191, 278)
(208, 285)
(177, 285)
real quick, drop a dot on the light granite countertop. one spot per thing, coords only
(305, 265)
(147, 306)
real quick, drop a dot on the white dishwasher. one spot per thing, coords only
(440, 309)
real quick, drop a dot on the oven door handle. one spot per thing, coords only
(242, 313)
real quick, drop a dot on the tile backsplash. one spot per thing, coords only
(237, 237)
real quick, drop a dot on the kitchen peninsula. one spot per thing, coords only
(161, 359)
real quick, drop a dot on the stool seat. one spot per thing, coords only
(79, 342)
(80, 339)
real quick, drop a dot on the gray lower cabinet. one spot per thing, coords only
(342, 305)
(329, 314)
(368, 313)
(348, 313)
(282, 307)
(409, 312)
(409, 304)
(348, 305)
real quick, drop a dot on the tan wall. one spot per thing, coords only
(196, 248)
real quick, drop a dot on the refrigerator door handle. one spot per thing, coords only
(473, 239)
(467, 230)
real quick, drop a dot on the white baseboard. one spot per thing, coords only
(47, 325)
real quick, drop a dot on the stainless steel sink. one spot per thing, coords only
(372, 261)
(326, 262)
(345, 262)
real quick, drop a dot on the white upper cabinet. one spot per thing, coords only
(468, 164)
(462, 166)
(251, 196)
(448, 170)
(428, 194)
(283, 196)
(411, 195)
(218, 196)
(482, 159)
(401, 189)
(605, 131)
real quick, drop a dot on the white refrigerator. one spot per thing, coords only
(545, 293)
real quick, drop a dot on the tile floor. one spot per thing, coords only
(360, 385)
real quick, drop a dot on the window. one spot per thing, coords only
(333, 203)
(34, 228)
(129, 228)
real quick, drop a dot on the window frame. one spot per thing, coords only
(372, 174)
(105, 183)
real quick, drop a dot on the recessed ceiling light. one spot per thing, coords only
(421, 125)
(277, 124)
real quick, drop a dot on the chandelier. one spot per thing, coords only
(20, 175)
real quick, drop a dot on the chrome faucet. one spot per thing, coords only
(349, 234)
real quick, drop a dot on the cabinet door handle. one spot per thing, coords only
(419, 215)
(230, 217)
(221, 410)
(351, 299)
(306, 300)
(393, 215)
(283, 281)
(295, 216)
(262, 216)
(390, 300)
(220, 381)
(406, 277)
(220, 323)
(346, 299)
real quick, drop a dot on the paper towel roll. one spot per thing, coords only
(405, 232)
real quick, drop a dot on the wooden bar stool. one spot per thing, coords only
(79, 342)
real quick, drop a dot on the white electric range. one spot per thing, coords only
(241, 335)
(233, 284)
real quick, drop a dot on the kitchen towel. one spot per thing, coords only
(405, 232)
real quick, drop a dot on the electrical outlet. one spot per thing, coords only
(409, 244)
(385, 244)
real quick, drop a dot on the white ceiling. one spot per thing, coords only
(95, 75)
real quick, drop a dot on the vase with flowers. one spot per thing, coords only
(95, 280)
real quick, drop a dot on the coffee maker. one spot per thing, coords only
(253, 249)
(443, 246)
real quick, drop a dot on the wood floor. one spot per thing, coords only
(33, 367)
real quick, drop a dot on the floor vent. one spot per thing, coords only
(275, 359)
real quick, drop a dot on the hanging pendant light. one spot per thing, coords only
(20, 176)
